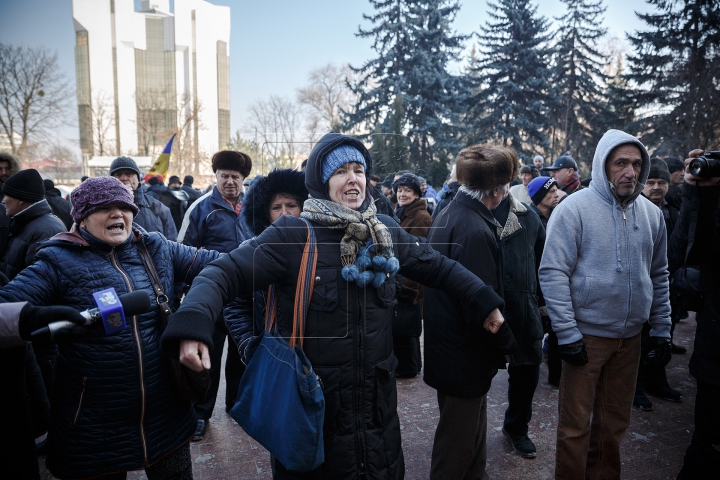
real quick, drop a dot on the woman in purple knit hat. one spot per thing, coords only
(113, 404)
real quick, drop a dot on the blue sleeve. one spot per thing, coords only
(239, 317)
(562, 246)
(188, 262)
(37, 284)
(190, 229)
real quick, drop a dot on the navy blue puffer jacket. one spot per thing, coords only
(113, 407)
(213, 224)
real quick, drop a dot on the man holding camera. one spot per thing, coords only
(701, 199)
(603, 274)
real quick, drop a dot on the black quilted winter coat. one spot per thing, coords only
(113, 406)
(348, 333)
(27, 229)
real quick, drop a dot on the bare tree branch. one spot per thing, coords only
(34, 94)
(278, 123)
(327, 96)
(103, 120)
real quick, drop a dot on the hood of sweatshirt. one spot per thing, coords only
(605, 190)
(600, 184)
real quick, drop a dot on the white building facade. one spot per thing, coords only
(145, 75)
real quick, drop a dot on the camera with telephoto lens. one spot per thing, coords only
(706, 166)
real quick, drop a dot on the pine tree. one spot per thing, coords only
(620, 111)
(512, 79)
(382, 78)
(390, 150)
(676, 66)
(414, 42)
(579, 101)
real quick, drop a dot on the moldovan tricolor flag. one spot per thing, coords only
(162, 164)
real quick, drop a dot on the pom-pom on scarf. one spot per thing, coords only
(366, 250)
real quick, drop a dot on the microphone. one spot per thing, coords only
(112, 309)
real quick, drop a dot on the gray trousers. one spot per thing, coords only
(460, 447)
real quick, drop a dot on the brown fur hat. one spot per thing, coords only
(485, 167)
(232, 160)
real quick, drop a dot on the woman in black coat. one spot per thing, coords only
(113, 408)
(407, 323)
(348, 334)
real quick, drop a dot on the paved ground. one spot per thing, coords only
(653, 448)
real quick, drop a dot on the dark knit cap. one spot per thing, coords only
(26, 186)
(539, 187)
(659, 169)
(96, 193)
(124, 163)
(174, 179)
(188, 180)
(674, 164)
(153, 181)
(409, 180)
(531, 169)
(232, 160)
(49, 184)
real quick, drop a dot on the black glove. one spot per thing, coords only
(659, 354)
(574, 353)
(33, 318)
(504, 340)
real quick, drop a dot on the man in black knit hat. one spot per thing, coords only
(31, 222)
(676, 168)
(152, 215)
(653, 378)
(187, 187)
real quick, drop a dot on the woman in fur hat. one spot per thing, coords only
(348, 328)
(280, 193)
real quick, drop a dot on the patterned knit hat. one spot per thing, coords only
(339, 157)
(96, 193)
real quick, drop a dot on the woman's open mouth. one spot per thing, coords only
(116, 227)
(352, 193)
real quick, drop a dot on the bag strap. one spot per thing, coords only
(160, 298)
(303, 291)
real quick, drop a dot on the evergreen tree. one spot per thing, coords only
(579, 101)
(390, 150)
(620, 111)
(676, 66)
(512, 79)
(414, 42)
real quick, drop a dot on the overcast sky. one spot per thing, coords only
(273, 43)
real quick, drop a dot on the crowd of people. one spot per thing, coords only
(506, 264)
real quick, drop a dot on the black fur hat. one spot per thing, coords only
(232, 160)
(256, 204)
(409, 180)
(485, 167)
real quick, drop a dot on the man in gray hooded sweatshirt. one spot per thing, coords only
(603, 274)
